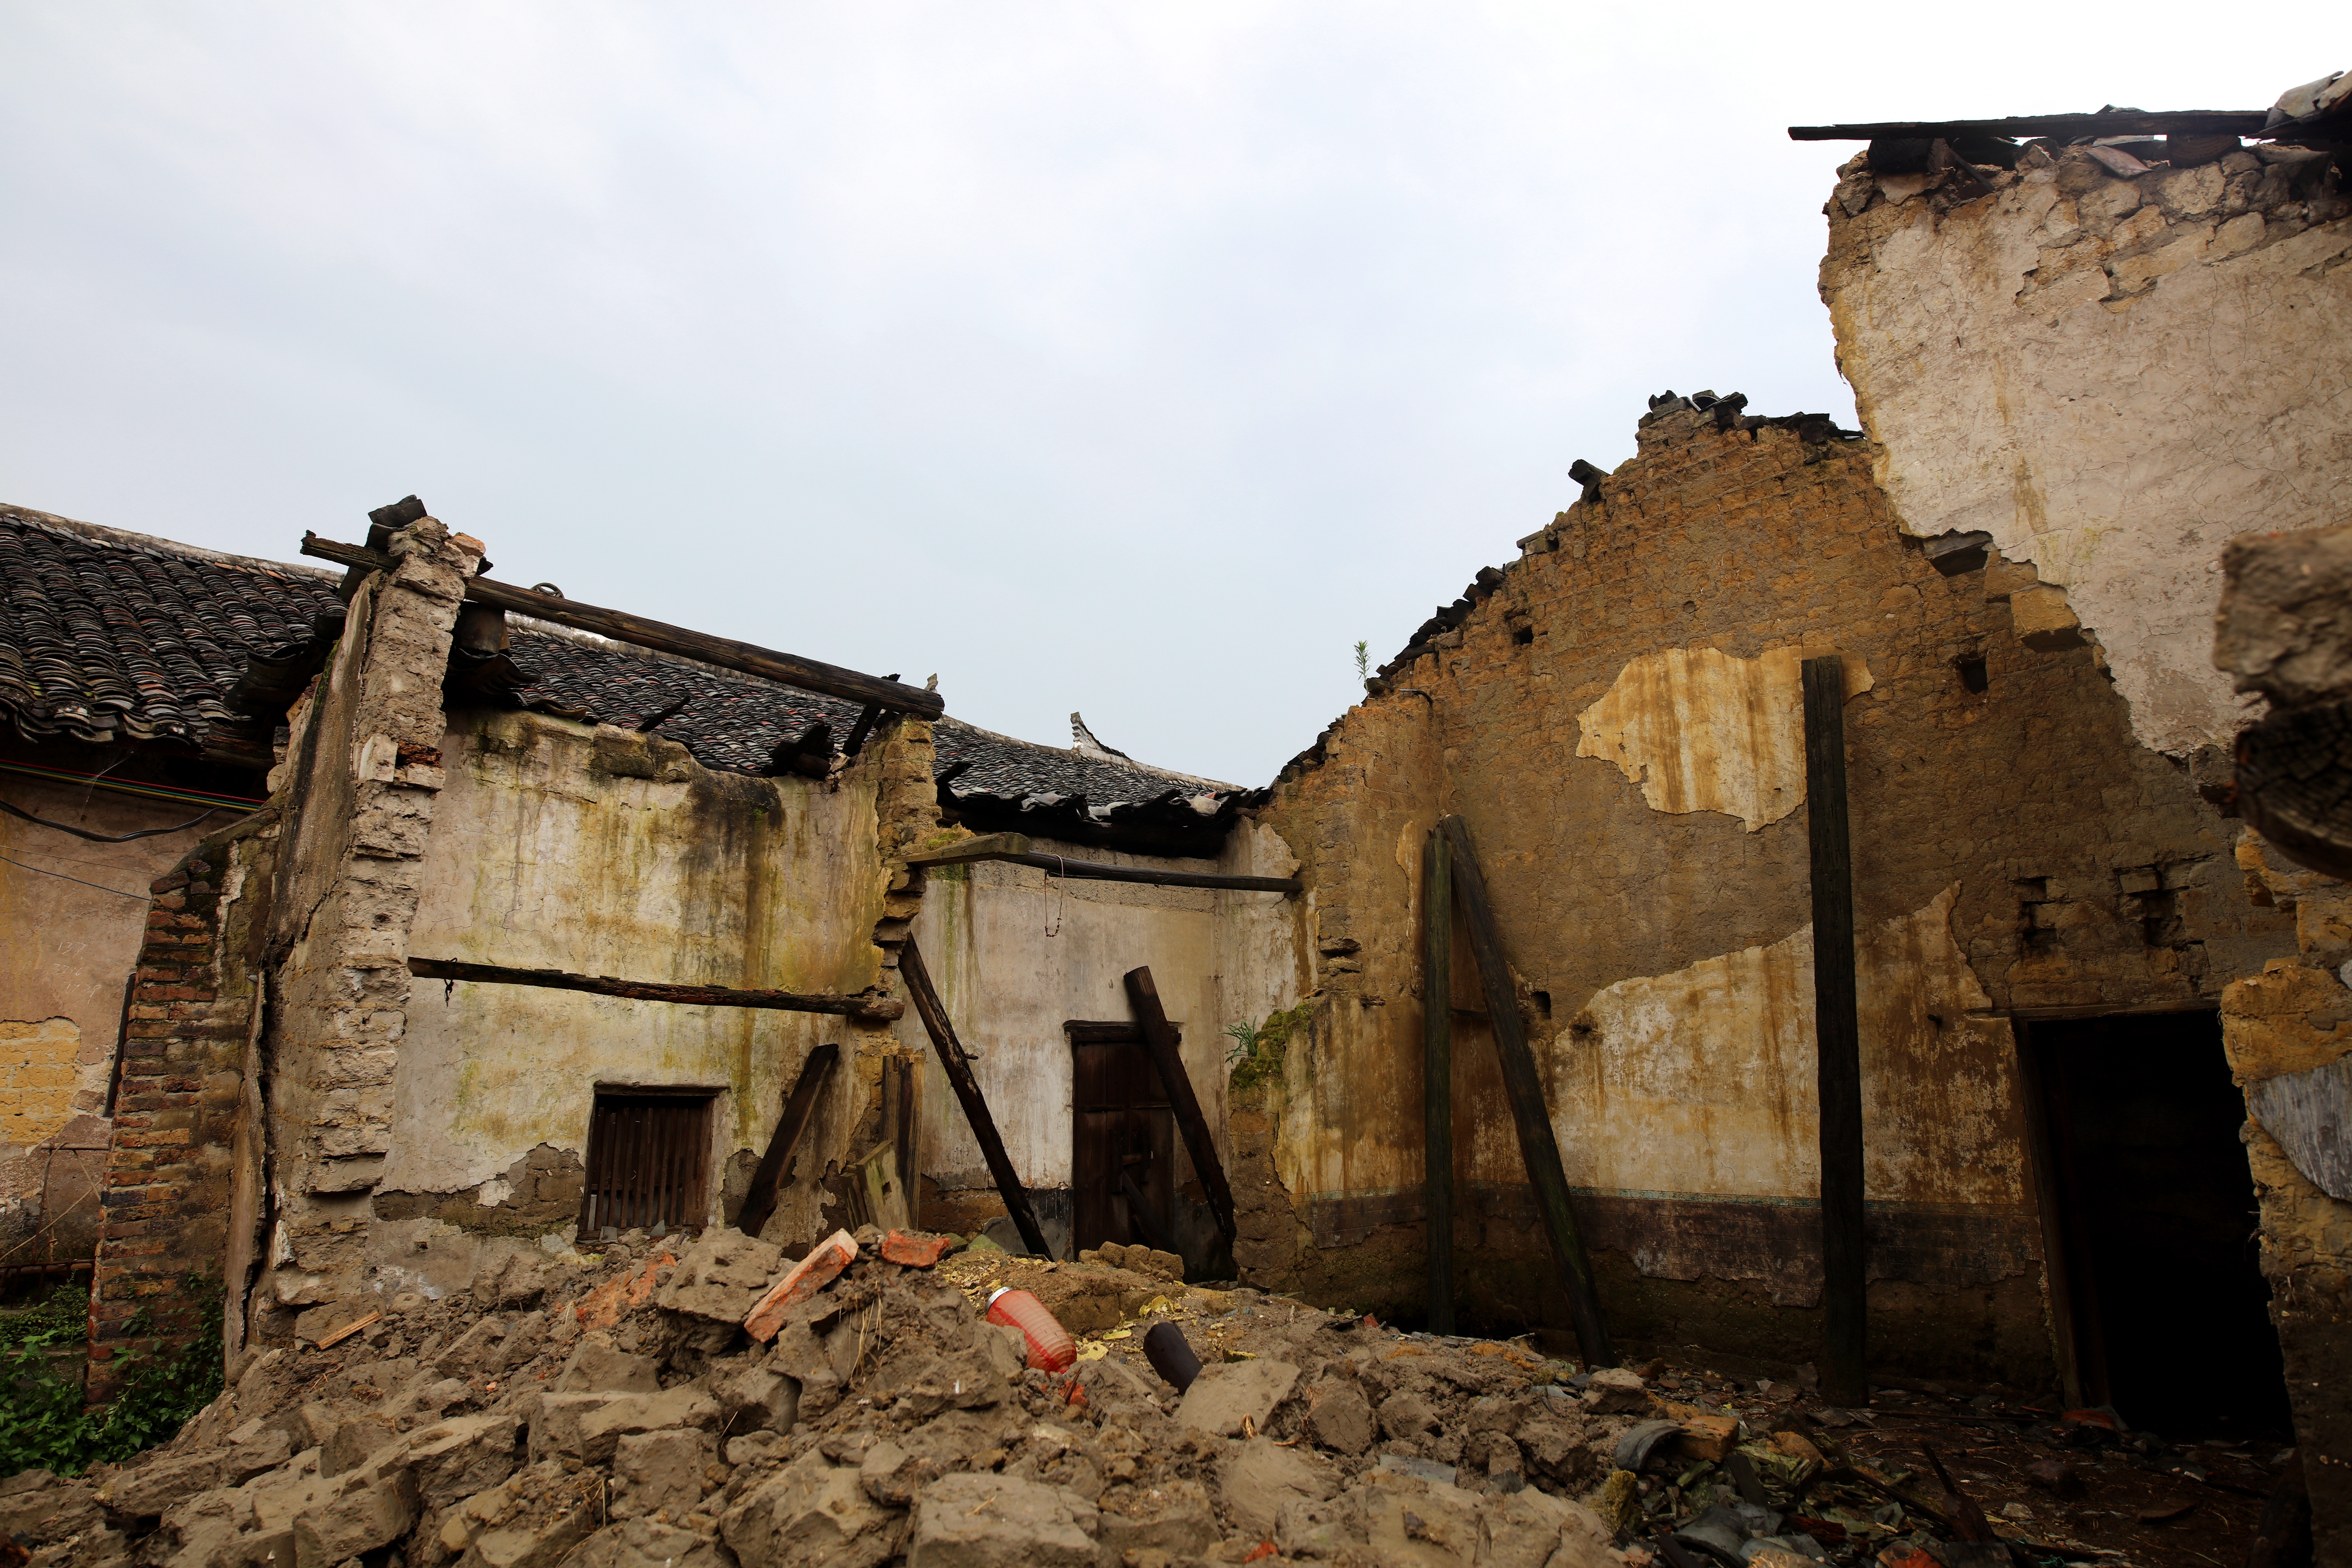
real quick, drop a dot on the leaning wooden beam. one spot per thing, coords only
(1437, 1071)
(1538, 1146)
(879, 1009)
(1838, 1061)
(1159, 1040)
(768, 1181)
(1012, 849)
(808, 674)
(953, 1062)
(2118, 122)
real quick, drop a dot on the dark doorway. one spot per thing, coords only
(2157, 1220)
(648, 1161)
(1123, 1141)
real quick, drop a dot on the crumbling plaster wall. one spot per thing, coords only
(1016, 952)
(2015, 848)
(2111, 377)
(601, 851)
(360, 783)
(65, 947)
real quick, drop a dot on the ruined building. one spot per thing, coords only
(506, 932)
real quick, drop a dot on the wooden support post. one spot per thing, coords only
(967, 1090)
(1838, 1038)
(1159, 1040)
(860, 731)
(1538, 1147)
(775, 1165)
(872, 1005)
(1437, 1071)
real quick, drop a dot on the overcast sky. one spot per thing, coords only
(1135, 359)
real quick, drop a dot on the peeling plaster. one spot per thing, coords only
(1702, 1081)
(1700, 730)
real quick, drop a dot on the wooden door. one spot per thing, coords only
(1122, 1125)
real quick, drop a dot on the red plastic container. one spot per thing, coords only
(1051, 1349)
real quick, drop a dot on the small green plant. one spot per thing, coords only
(1258, 1048)
(1363, 665)
(42, 1423)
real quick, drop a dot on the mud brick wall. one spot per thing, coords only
(169, 1170)
(1616, 717)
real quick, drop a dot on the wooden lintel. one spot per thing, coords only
(2112, 122)
(808, 674)
(1108, 1032)
(1013, 849)
(869, 1007)
(987, 846)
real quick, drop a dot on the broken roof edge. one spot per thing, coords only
(1104, 757)
(155, 545)
(2105, 122)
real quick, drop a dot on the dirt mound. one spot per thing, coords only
(615, 1412)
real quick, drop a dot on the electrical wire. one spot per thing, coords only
(110, 838)
(137, 787)
(61, 877)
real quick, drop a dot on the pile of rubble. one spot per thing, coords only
(617, 1412)
(712, 1403)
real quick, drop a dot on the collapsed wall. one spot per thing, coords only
(306, 1122)
(1616, 716)
(2115, 373)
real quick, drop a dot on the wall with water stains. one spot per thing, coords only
(600, 851)
(1617, 720)
(1016, 953)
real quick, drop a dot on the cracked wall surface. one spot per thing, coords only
(2111, 377)
(2016, 848)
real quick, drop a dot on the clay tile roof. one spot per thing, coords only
(110, 635)
(106, 636)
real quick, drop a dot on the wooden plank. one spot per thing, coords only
(800, 1105)
(953, 1062)
(1538, 1146)
(2116, 123)
(987, 846)
(1160, 1039)
(862, 728)
(2041, 1179)
(808, 674)
(1437, 1071)
(879, 1008)
(1845, 1329)
(1012, 849)
(1155, 1234)
(348, 1329)
(1087, 1031)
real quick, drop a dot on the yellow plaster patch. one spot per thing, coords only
(1700, 730)
(37, 1077)
(1702, 1080)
